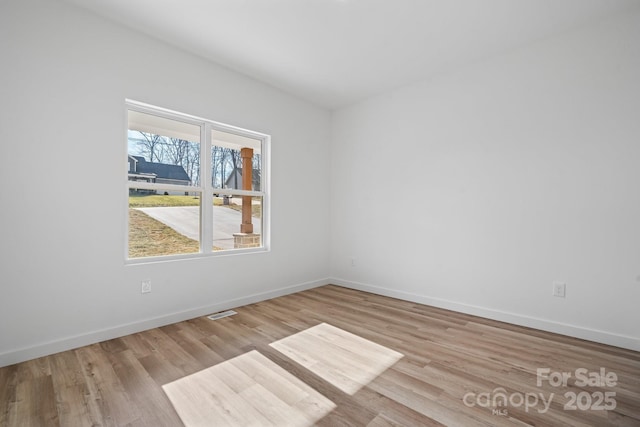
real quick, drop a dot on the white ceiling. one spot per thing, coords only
(336, 52)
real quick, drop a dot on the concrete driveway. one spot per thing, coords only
(186, 221)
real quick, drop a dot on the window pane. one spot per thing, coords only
(228, 230)
(163, 223)
(166, 182)
(227, 162)
(163, 151)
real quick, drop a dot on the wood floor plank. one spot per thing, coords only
(144, 393)
(398, 414)
(73, 398)
(190, 340)
(34, 369)
(8, 386)
(445, 356)
(105, 388)
(36, 403)
(167, 361)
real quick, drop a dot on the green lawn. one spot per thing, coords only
(156, 200)
(148, 237)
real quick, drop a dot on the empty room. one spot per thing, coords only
(320, 212)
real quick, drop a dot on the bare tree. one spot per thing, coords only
(218, 155)
(177, 151)
(151, 146)
(257, 169)
(235, 161)
(192, 163)
(225, 159)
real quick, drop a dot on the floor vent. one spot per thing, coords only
(222, 314)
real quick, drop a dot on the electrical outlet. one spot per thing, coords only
(353, 262)
(559, 289)
(145, 286)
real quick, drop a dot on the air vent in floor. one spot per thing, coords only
(222, 314)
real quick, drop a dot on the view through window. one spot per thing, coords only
(194, 186)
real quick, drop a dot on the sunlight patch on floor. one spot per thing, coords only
(248, 390)
(341, 358)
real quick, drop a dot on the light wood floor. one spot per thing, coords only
(452, 366)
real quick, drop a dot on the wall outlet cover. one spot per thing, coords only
(559, 289)
(145, 286)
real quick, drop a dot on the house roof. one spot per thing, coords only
(255, 177)
(161, 170)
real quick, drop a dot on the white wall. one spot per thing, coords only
(473, 191)
(477, 189)
(64, 77)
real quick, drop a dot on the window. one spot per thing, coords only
(194, 186)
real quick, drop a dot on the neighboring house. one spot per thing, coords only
(161, 173)
(235, 180)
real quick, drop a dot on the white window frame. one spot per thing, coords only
(206, 188)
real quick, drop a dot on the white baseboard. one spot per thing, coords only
(51, 347)
(603, 337)
(69, 343)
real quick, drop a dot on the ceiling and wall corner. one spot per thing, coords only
(334, 53)
(479, 189)
(63, 279)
